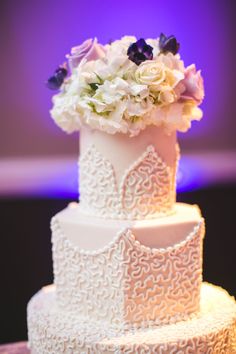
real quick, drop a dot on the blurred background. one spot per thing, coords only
(38, 162)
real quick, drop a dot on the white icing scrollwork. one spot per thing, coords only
(127, 284)
(53, 331)
(147, 189)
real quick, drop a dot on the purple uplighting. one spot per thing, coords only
(41, 33)
(57, 177)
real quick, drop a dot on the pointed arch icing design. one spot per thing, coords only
(126, 284)
(146, 190)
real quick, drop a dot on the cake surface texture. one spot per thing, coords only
(126, 284)
(211, 331)
(127, 258)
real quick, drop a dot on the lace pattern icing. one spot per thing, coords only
(52, 331)
(127, 284)
(147, 189)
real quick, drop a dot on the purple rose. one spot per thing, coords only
(193, 85)
(89, 49)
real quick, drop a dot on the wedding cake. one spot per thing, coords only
(127, 258)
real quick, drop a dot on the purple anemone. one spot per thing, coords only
(140, 51)
(57, 79)
(168, 44)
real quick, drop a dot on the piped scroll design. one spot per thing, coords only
(146, 189)
(52, 330)
(126, 284)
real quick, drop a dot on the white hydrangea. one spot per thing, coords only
(64, 112)
(111, 93)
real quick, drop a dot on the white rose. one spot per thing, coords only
(150, 72)
(157, 75)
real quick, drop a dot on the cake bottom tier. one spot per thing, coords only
(213, 330)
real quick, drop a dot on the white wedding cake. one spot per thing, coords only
(127, 258)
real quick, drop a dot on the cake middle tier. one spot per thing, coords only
(128, 273)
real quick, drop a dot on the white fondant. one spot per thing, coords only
(126, 283)
(213, 331)
(122, 150)
(145, 190)
(95, 233)
(128, 260)
(120, 179)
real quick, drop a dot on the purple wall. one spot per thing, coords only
(37, 34)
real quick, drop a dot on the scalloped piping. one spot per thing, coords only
(55, 226)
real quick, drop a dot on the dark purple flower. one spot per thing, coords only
(168, 44)
(56, 80)
(140, 51)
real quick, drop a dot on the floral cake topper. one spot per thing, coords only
(125, 86)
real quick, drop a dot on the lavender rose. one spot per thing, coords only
(90, 50)
(193, 85)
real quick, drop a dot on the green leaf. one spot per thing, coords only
(94, 86)
(99, 78)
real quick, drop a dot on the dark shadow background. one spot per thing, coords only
(26, 260)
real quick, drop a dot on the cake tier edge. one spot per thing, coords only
(213, 330)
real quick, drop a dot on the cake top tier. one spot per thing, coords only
(127, 178)
(125, 86)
